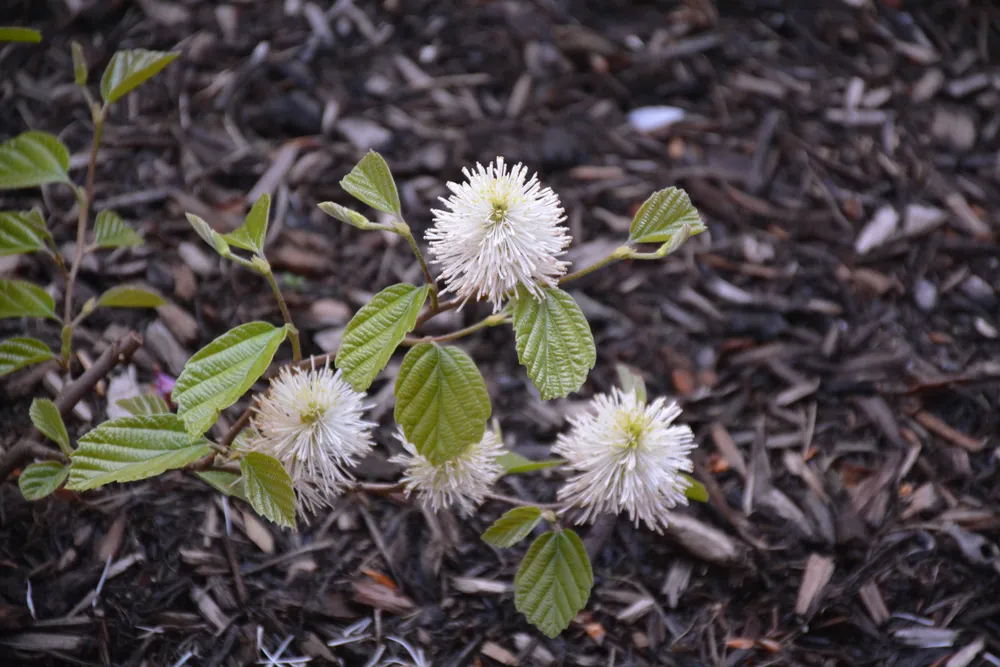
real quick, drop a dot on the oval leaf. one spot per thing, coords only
(252, 233)
(222, 371)
(133, 448)
(46, 418)
(209, 235)
(553, 342)
(554, 581)
(695, 490)
(376, 330)
(666, 217)
(18, 34)
(80, 69)
(268, 488)
(124, 296)
(513, 526)
(347, 215)
(371, 182)
(227, 483)
(130, 69)
(19, 298)
(515, 464)
(22, 232)
(41, 479)
(31, 159)
(16, 353)
(147, 404)
(441, 401)
(111, 231)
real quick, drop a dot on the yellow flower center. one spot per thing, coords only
(633, 427)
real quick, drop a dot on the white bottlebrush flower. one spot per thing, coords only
(311, 421)
(629, 456)
(501, 230)
(463, 481)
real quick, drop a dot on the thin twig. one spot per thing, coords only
(241, 423)
(517, 502)
(491, 321)
(81, 235)
(621, 252)
(119, 352)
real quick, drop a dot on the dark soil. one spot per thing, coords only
(839, 363)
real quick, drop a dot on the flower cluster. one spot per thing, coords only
(501, 230)
(311, 421)
(629, 457)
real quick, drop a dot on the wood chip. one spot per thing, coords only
(819, 569)
(872, 599)
(952, 435)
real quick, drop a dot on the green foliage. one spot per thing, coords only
(268, 488)
(31, 159)
(667, 217)
(554, 581)
(631, 381)
(222, 371)
(124, 296)
(695, 490)
(16, 353)
(46, 418)
(371, 183)
(22, 232)
(111, 231)
(252, 234)
(147, 404)
(441, 401)
(515, 464)
(227, 483)
(38, 480)
(553, 342)
(19, 298)
(210, 236)
(347, 215)
(513, 526)
(128, 449)
(130, 69)
(18, 34)
(80, 70)
(376, 330)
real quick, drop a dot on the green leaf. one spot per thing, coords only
(554, 581)
(128, 449)
(631, 381)
(347, 215)
(376, 330)
(222, 371)
(695, 490)
(268, 488)
(553, 342)
(371, 182)
(513, 526)
(252, 233)
(80, 69)
(19, 298)
(666, 217)
(22, 232)
(16, 353)
(441, 401)
(130, 69)
(210, 236)
(18, 34)
(46, 418)
(227, 483)
(124, 296)
(515, 464)
(147, 404)
(41, 479)
(111, 231)
(31, 159)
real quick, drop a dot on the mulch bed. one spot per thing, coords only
(833, 338)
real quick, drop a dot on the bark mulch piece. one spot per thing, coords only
(833, 338)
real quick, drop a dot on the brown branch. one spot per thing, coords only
(121, 351)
